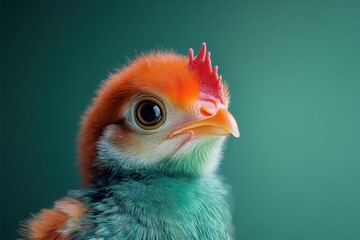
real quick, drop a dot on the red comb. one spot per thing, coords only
(210, 81)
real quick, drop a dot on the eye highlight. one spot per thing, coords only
(149, 112)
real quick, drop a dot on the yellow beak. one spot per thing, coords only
(221, 124)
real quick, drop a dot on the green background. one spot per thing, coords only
(294, 73)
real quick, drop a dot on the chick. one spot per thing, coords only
(150, 145)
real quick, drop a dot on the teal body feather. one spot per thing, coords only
(151, 206)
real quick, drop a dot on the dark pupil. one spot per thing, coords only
(149, 113)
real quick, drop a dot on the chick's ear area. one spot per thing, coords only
(108, 108)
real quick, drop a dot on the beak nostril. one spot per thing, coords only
(206, 111)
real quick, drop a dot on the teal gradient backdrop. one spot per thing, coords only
(294, 73)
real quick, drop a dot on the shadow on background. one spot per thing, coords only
(294, 73)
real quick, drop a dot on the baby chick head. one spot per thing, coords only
(163, 112)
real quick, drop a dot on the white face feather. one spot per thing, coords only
(203, 155)
(148, 151)
(152, 148)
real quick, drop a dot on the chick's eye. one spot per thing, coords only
(149, 113)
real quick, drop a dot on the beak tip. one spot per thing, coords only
(236, 134)
(235, 129)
